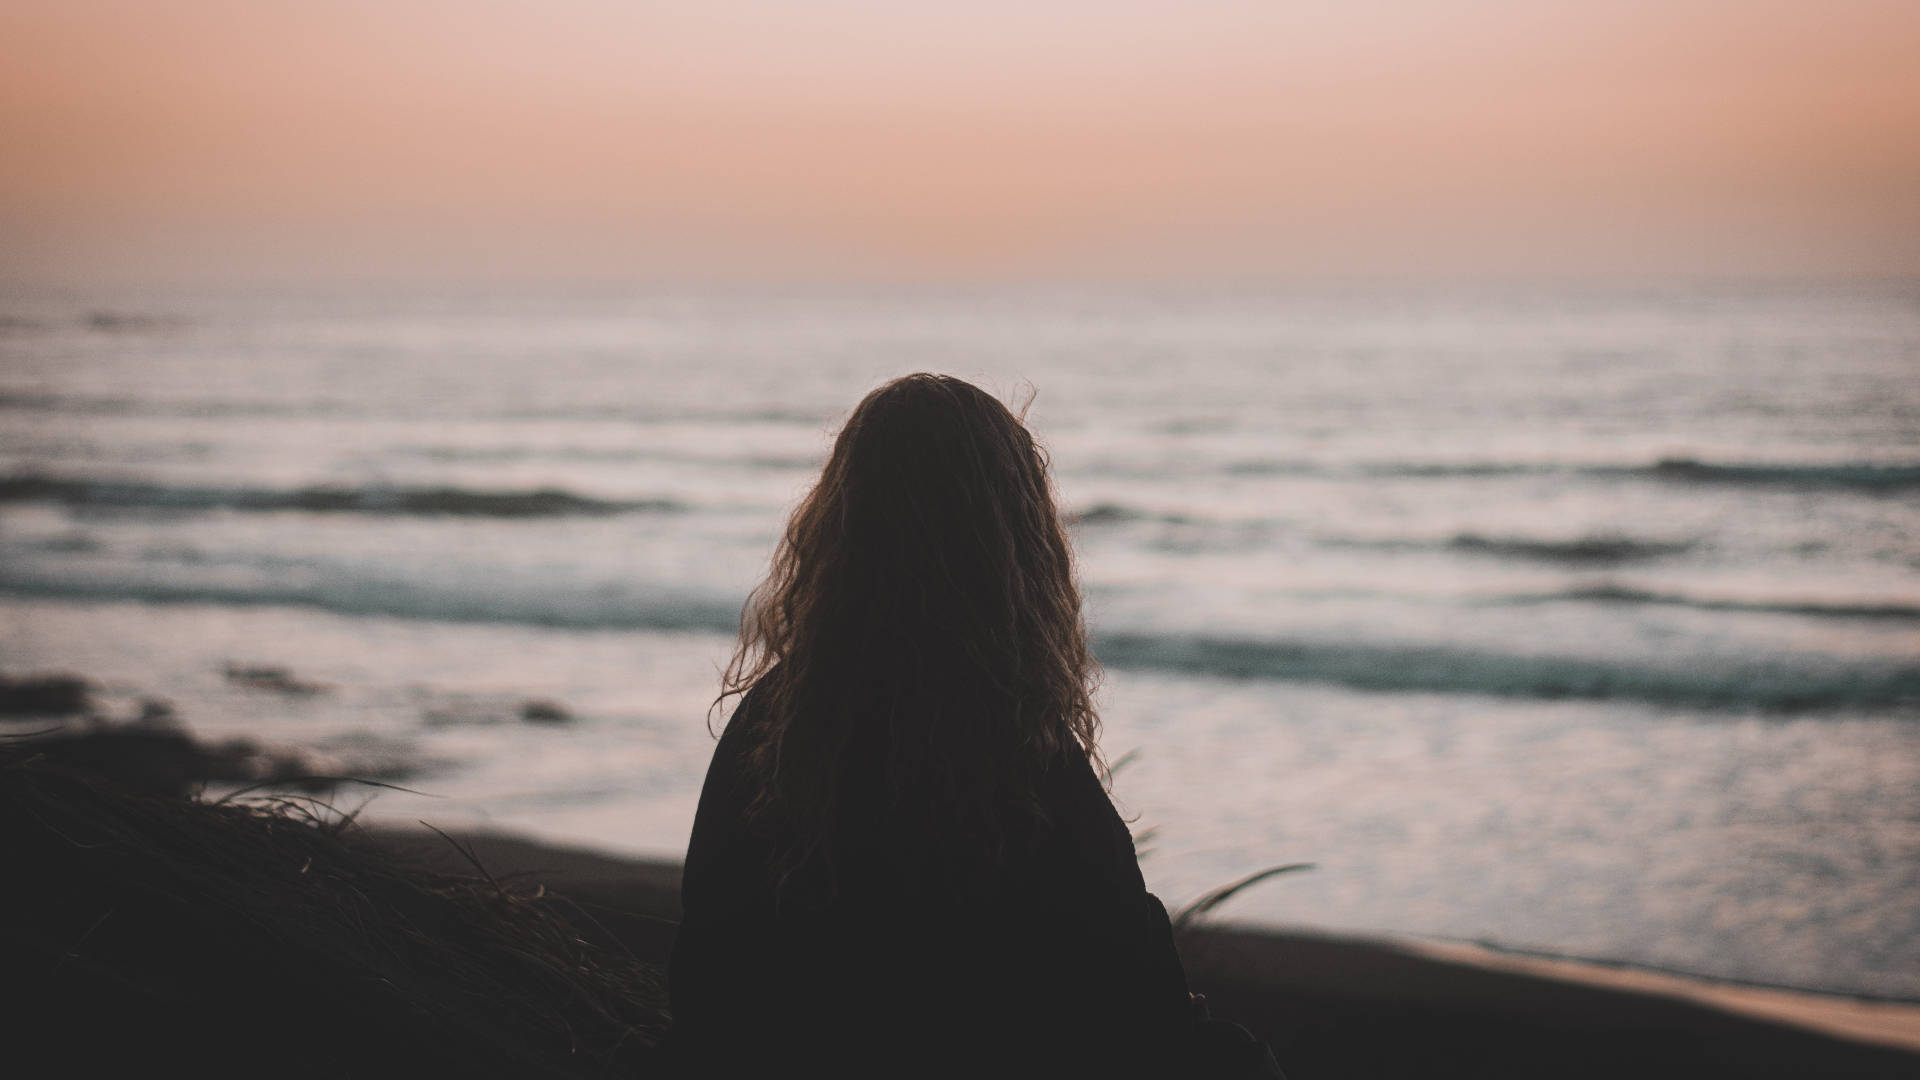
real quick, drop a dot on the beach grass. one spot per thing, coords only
(270, 932)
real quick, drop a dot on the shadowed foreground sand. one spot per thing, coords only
(140, 929)
(1346, 1007)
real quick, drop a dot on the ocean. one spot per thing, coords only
(1582, 619)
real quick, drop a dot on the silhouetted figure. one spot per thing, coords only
(903, 862)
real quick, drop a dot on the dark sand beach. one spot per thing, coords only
(1350, 1007)
(271, 933)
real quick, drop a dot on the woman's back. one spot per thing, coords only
(1060, 962)
(903, 863)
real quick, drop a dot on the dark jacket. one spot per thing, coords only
(1065, 967)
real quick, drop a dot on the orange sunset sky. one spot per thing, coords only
(964, 138)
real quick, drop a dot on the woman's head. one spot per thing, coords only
(922, 602)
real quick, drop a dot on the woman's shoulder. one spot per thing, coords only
(1070, 779)
(1083, 830)
(743, 724)
(731, 784)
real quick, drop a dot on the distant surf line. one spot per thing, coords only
(1878, 477)
(334, 409)
(1362, 665)
(557, 502)
(325, 499)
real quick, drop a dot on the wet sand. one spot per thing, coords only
(1350, 1007)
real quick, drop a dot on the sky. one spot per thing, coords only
(958, 138)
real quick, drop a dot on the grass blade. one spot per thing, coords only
(1219, 896)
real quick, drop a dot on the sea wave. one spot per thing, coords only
(1599, 548)
(1441, 669)
(1392, 470)
(190, 409)
(344, 594)
(328, 499)
(1860, 476)
(1589, 550)
(1594, 549)
(1613, 593)
(1879, 477)
(617, 455)
(1803, 684)
(1114, 513)
(645, 414)
(131, 322)
(38, 401)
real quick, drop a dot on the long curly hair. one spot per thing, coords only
(918, 649)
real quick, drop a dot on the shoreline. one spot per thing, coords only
(1881, 1021)
(1336, 1005)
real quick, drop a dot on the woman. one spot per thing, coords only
(903, 862)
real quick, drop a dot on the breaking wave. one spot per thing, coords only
(1611, 593)
(1804, 683)
(1113, 513)
(1440, 669)
(1861, 476)
(1604, 548)
(82, 404)
(1591, 550)
(345, 594)
(326, 499)
(1843, 476)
